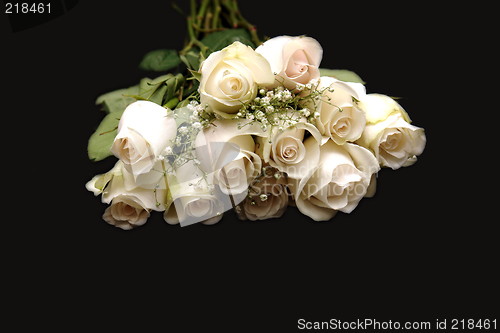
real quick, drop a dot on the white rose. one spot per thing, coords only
(145, 129)
(98, 183)
(204, 208)
(130, 205)
(287, 152)
(338, 183)
(234, 177)
(340, 118)
(194, 197)
(293, 59)
(126, 212)
(225, 148)
(388, 133)
(268, 199)
(230, 77)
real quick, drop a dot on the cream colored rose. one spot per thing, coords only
(126, 212)
(194, 198)
(287, 152)
(224, 148)
(388, 133)
(235, 176)
(230, 77)
(145, 129)
(204, 208)
(130, 205)
(268, 199)
(293, 59)
(338, 183)
(98, 183)
(340, 117)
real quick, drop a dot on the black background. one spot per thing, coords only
(416, 251)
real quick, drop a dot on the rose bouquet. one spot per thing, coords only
(246, 125)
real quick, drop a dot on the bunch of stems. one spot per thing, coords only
(211, 16)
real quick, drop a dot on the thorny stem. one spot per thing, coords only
(193, 39)
(232, 15)
(193, 8)
(209, 15)
(217, 10)
(201, 13)
(245, 24)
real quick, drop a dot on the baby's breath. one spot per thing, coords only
(181, 150)
(281, 107)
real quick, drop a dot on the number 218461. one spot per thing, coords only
(25, 8)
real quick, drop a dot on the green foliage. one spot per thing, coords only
(196, 75)
(342, 75)
(192, 59)
(100, 142)
(160, 90)
(117, 100)
(218, 40)
(160, 60)
(153, 90)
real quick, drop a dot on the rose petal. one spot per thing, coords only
(153, 122)
(272, 50)
(363, 159)
(378, 107)
(313, 211)
(308, 154)
(284, 53)
(342, 90)
(412, 142)
(99, 182)
(257, 64)
(123, 183)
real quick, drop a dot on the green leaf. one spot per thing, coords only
(192, 88)
(145, 88)
(196, 75)
(192, 58)
(161, 79)
(342, 75)
(182, 104)
(160, 60)
(100, 142)
(157, 97)
(173, 84)
(218, 40)
(117, 100)
(153, 90)
(172, 103)
(159, 90)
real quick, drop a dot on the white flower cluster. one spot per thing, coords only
(199, 118)
(272, 109)
(267, 131)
